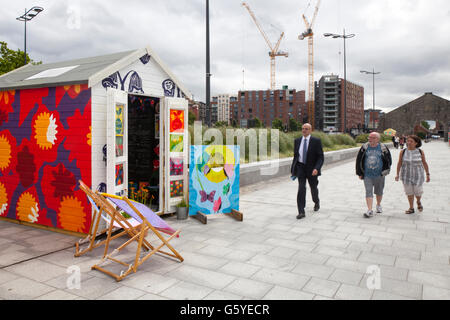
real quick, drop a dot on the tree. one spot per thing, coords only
(219, 124)
(11, 60)
(294, 125)
(258, 123)
(277, 124)
(192, 117)
(425, 124)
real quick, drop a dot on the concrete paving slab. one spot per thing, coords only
(270, 254)
(23, 289)
(249, 288)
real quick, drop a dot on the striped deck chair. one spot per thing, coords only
(148, 221)
(128, 227)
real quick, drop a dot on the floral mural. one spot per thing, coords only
(45, 148)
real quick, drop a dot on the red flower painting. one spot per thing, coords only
(176, 120)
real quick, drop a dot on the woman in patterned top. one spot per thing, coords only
(412, 164)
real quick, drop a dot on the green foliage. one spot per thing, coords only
(10, 59)
(277, 124)
(219, 124)
(182, 204)
(421, 135)
(258, 123)
(294, 125)
(286, 141)
(425, 124)
(191, 117)
(325, 138)
(362, 138)
(386, 138)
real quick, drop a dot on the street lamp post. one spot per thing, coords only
(344, 36)
(373, 73)
(27, 16)
(208, 73)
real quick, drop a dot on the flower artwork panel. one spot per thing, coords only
(45, 148)
(119, 119)
(214, 179)
(119, 146)
(176, 143)
(176, 188)
(176, 121)
(119, 174)
(176, 166)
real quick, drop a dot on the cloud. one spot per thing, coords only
(406, 40)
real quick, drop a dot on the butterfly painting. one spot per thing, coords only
(207, 197)
(213, 179)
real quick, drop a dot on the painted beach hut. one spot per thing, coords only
(118, 122)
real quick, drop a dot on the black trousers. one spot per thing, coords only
(313, 182)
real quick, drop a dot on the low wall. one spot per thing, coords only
(252, 173)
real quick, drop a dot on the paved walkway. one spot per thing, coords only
(332, 254)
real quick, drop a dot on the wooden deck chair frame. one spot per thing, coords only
(138, 236)
(93, 233)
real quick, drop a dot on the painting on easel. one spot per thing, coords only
(213, 179)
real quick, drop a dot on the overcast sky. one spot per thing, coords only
(406, 40)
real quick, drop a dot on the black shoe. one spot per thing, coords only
(301, 215)
(316, 207)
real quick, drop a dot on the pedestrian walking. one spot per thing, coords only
(306, 165)
(402, 141)
(373, 163)
(411, 166)
(396, 142)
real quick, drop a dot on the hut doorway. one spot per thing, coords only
(144, 156)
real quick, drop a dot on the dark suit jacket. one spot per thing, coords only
(314, 157)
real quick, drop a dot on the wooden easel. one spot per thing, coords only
(203, 218)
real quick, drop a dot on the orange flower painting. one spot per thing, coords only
(176, 121)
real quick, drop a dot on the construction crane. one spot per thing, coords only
(308, 33)
(273, 49)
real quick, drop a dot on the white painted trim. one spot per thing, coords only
(187, 93)
(129, 59)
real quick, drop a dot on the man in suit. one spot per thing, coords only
(308, 160)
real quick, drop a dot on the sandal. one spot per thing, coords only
(409, 211)
(419, 206)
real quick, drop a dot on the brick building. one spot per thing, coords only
(426, 107)
(266, 105)
(329, 104)
(372, 118)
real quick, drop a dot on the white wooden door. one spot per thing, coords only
(176, 153)
(117, 142)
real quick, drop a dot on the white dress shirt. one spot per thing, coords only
(300, 150)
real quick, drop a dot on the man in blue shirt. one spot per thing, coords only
(373, 163)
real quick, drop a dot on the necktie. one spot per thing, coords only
(305, 148)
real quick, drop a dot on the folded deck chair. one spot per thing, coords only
(129, 226)
(148, 221)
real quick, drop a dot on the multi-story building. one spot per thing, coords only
(372, 118)
(267, 105)
(223, 102)
(329, 105)
(199, 109)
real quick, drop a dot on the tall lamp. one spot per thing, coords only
(373, 73)
(27, 16)
(344, 36)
